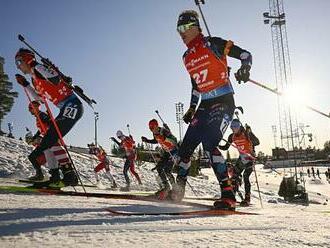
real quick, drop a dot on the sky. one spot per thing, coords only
(127, 55)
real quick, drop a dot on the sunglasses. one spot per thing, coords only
(18, 62)
(183, 28)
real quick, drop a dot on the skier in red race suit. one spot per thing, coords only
(55, 156)
(128, 144)
(49, 84)
(164, 137)
(101, 155)
(206, 63)
(245, 140)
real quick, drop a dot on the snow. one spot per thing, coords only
(30, 220)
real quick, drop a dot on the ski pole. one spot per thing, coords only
(61, 139)
(79, 91)
(198, 2)
(129, 132)
(255, 173)
(275, 91)
(43, 128)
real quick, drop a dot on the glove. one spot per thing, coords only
(243, 74)
(166, 126)
(144, 139)
(21, 80)
(189, 115)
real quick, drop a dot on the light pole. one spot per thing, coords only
(96, 118)
(179, 116)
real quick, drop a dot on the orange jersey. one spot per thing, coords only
(55, 92)
(208, 71)
(243, 143)
(166, 143)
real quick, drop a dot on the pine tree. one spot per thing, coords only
(7, 96)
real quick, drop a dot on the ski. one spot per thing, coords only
(207, 212)
(50, 191)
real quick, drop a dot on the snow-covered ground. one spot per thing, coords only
(30, 220)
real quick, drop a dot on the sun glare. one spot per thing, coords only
(295, 95)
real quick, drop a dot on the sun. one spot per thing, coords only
(296, 95)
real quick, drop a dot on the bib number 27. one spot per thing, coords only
(200, 77)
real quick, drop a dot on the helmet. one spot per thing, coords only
(188, 17)
(235, 123)
(34, 105)
(153, 124)
(25, 55)
(119, 134)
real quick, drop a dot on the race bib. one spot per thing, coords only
(70, 112)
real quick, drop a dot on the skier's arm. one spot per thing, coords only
(228, 143)
(224, 47)
(45, 118)
(194, 95)
(116, 141)
(255, 141)
(27, 86)
(149, 141)
(37, 134)
(228, 48)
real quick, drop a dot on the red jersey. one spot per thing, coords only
(129, 145)
(55, 92)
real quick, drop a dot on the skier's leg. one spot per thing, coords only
(64, 122)
(190, 141)
(52, 162)
(41, 160)
(168, 171)
(246, 177)
(132, 170)
(161, 172)
(125, 171)
(109, 175)
(219, 117)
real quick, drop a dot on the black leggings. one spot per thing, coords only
(164, 169)
(247, 168)
(69, 114)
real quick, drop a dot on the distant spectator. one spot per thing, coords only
(313, 172)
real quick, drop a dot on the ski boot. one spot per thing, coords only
(178, 191)
(164, 192)
(114, 185)
(39, 176)
(246, 201)
(227, 201)
(126, 188)
(69, 176)
(55, 179)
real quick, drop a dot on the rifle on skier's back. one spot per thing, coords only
(68, 80)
